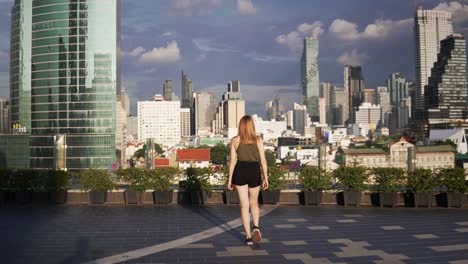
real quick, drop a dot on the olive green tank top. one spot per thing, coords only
(248, 152)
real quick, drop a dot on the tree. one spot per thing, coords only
(140, 153)
(270, 158)
(158, 148)
(219, 154)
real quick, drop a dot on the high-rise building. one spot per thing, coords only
(187, 91)
(290, 119)
(383, 99)
(20, 63)
(185, 123)
(273, 109)
(64, 68)
(353, 88)
(369, 96)
(399, 90)
(159, 120)
(369, 115)
(205, 111)
(132, 128)
(301, 119)
(326, 90)
(430, 27)
(446, 94)
(233, 105)
(4, 115)
(337, 103)
(310, 77)
(218, 123)
(167, 90)
(234, 86)
(121, 116)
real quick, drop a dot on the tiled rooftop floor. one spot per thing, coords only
(293, 234)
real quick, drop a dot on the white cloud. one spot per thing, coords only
(293, 40)
(459, 11)
(246, 7)
(167, 34)
(193, 7)
(379, 30)
(208, 45)
(170, 53)
(352, 58)
(135, 52)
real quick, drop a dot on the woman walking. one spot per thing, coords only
(247, 156)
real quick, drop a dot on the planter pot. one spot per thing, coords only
(40, 197)
(23, 197)
(58, 197)
(423, 199)
(162, 197)
(352, 198)
(455, 199)
(198, 197)
(270, 197)
(97, 197)
(388, 199)
(231, 197)
(133, 197)
(312, 197)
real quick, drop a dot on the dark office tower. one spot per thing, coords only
(310, 77)
(446, 94)
(234, 86)
(353, 92)
(167, 90)
(187, 92)
(64, 80)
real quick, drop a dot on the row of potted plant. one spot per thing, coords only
(420, 183)
(23, 184)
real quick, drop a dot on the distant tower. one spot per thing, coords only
(167, 90)
(310, 77)
(353, 88)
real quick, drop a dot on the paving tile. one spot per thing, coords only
(285, 226)
(346, 221)
(241, 252)
(450, 247)
(297, 220)
(462, 230)
(206, 245)
(459, 262)
(318, 227)
(462, 223)
(353, 215)
(307, 259)
(392, 227)
(425, 236)
(294, 243)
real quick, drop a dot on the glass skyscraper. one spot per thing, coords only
(310, 77)
(72, 55)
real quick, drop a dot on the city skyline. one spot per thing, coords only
(193, 38)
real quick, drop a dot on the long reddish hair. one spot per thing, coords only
(246, 131)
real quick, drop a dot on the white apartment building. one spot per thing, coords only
(337, 135)
(159, 120)
(369, 114)
(269, 129)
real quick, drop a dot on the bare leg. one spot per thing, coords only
(253, 198)
(243, 192)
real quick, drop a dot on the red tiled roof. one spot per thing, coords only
(161, 162)
(193, 154)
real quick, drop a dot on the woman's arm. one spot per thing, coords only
(263, 163)
(232, 163)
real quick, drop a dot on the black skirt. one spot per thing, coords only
(247, 172)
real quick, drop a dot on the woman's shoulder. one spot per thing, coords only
(235, 139)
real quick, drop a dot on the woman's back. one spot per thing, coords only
(248, 152)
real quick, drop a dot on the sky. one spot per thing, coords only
(257, 42)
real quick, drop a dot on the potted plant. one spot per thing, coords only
(276, 182)
(197, 184)
(388, 180)
(314, 180)
(137, 180)
(352, 180)
(97, 182)
(4, 184)
(22, 185)
(160, 180)
(58, 182)
(231, 196)
(421, 182)
(453, 180)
